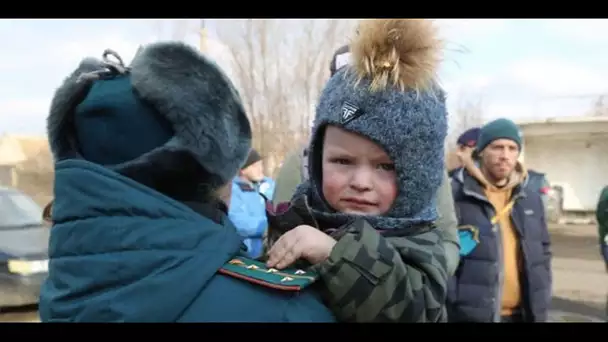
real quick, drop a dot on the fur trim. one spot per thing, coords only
(59, 122)
(191, 92)
(401, 52)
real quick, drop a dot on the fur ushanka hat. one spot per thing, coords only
(172, 120)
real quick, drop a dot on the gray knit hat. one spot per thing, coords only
(389, 94)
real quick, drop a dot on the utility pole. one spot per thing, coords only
(203, 38)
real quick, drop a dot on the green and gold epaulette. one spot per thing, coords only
(256, 272)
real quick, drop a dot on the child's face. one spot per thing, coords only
(358, 175)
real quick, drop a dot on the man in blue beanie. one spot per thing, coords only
(144, 161)
(466, 149)
(510, 265)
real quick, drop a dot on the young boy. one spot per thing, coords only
(365, 218)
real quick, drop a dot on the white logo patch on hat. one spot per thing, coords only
(342, 60)
(349, 112)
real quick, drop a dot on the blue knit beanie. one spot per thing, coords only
(498, 129)
(169, 105)
(389, 94)
(469, 137)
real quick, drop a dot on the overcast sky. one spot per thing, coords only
(522, 69)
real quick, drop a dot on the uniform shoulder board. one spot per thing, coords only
(256, 272)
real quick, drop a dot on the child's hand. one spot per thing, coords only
(302, 242)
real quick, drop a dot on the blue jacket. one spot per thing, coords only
(475, 291)
(122, 252)
(247, 212)
(266, 187)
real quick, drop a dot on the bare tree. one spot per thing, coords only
(469, 114)
(280, 66)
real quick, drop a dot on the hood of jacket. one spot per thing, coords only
(122, 252)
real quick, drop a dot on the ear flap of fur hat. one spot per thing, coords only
(189, 92)
(59, 122)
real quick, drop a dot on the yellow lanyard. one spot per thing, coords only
(502, 213)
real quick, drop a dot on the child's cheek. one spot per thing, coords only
(388, 193)
(332, 185)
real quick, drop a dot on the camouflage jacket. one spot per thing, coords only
(294, 170)
(375, 276)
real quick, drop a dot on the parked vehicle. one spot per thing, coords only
(24, 239)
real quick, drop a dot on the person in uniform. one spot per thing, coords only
(145, 156)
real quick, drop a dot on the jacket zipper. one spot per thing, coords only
(496, 301)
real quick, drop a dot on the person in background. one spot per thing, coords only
(601, 214)
(140, 228)
(252, 173)
(250, 192)
(506, 276)
(465, 145)
(536, 181)
(294, 171)
(291, 174)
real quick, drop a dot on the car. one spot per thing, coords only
(24, 239)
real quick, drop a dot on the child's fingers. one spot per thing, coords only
(280, 249)
(293, 254)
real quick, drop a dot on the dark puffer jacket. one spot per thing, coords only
(475, 290)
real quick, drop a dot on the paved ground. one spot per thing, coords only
(25, 314)
(580, 279)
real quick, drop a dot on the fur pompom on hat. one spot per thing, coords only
(171, 119)
(389, 93)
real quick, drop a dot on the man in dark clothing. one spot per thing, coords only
(506, 275)
(466, 144)
(537, 181)
(601, 214)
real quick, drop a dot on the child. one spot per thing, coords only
(365, 218)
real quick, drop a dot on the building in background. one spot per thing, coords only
(26, 163)
(11, 154)
(571, 151)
